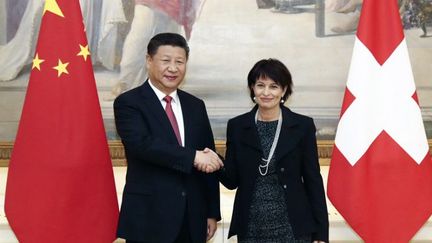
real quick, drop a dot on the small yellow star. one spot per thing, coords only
(84, 52)
(53, 7)
(37, 62)
(61, 68)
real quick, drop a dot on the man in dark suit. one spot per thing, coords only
(170, 194)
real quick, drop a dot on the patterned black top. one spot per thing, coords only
(268, 216)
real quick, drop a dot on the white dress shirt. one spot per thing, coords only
(176, 106)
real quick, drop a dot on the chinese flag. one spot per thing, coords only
(380, 176)
(60, 185)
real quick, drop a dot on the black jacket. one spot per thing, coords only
(297, 168)
(161, 182)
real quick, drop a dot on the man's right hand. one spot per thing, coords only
(207, 161)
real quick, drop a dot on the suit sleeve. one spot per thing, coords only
(314, 183)
(141, 145)
(213, 196)
(228, 174)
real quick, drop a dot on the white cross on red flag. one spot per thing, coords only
(60, 185)
(380, 177)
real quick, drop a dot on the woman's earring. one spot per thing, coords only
(282, 101)
(254, 99)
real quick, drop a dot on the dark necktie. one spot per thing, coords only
(170, 113)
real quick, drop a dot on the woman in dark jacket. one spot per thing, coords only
(272, 161)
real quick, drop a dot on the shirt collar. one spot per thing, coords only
(162, 95)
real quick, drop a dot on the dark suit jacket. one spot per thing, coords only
(162, 186)
(297, 168)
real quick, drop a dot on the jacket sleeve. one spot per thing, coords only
(141, 145)
(314, 183)
(212, 190)
(228, 174)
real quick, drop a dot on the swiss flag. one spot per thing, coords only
(60, 185)
(380, 176)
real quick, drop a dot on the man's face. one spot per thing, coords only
(167, 68)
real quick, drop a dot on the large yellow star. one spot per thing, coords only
(84, 52)
(53, 7)
(37, 62)
(61, 68)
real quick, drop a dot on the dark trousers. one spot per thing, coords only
(182, 237)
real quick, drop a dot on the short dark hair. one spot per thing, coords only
(273, 69)
(167, 39)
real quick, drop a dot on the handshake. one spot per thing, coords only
(207, 161)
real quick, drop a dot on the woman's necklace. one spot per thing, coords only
(263, 169)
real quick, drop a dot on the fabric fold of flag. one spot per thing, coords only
(60, 185)
(380, 177)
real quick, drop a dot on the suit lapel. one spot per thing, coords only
(187, 112)
(290, 134)
(152, 103)
(250, 133)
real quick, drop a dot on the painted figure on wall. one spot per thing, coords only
(283, 6)
(414, 14)
(417, 13)
(101, 19)
(219, 27)
(151, 17)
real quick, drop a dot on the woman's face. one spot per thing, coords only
(268, 93)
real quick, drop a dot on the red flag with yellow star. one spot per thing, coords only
(60, 185)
